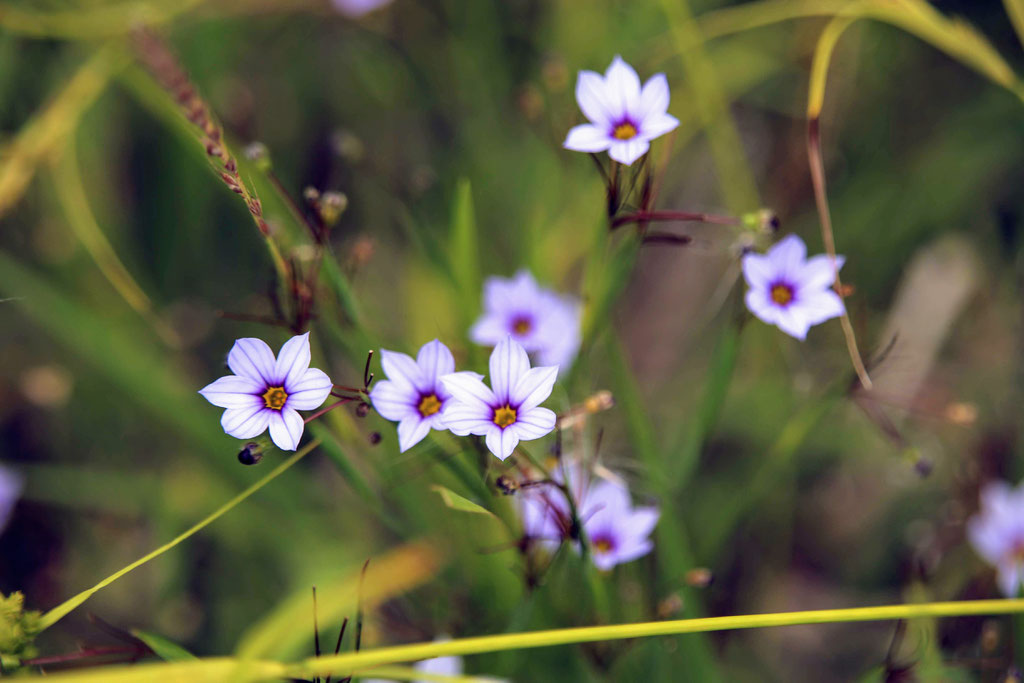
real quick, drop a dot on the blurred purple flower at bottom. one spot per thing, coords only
(789, 290)
(546, 323)
(997, 533)
(265, 391)
(10, 488)
(413, 395)
(357, 8)
(507, 412)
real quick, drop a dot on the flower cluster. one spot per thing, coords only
(617, 531)
(997, 534)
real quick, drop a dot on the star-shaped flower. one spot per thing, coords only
(624, 117)
(413, 395)
(265, 391)
(997, 533)
(789, 290)
(546, 323)
(507, 412)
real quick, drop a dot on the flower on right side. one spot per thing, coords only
(791, 291)
(997, 533)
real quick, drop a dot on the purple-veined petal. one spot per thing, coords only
(234, 391)
(286, 428)
(468, 387)
(501, 442)
(293, 360)
(394, 401)
(653, 98)
(606, 502)
(788, 255)
(411, 431)
(758, 271)
(818, 273)
(468, 418)
(401, 369)
(633, 549)
(622, 87)
(817, 307)
(587, 137)
(508, 364)
(245, 423)
(310, 390)
(761, 306)
(252, 358)
(435, 360)
(489, 329)
(533, 387)
(592, 97)
(791, 321)
(657, 125)
(534, 423)
(628, 151)
(643, 520)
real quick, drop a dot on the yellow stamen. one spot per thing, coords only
(504, 416)
(429, 405)
(603, 546)
(521, 326)
(782, 294)
(274, 398)
(624, 131)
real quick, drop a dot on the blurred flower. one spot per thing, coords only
(624, 117)
(357, 8)
(509, 411)
(442, 666)
(997, 533)
(617, 531)
(789, 290)
(265, 391)
(413, 395)
(544, 322)
(10, 489)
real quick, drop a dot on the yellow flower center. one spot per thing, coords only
(429, 405)
(504, 416)
(782, 294)
(602, 545)
(521, 326)
(624, 131)
(274, 398)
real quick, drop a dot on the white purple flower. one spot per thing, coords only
(791, 291)
(624, 117)
(617, 531)
(413, 395)
(509, 410)
(10, 489)
(545, 323)
(357, 8)
(265, 391)
(997, 534)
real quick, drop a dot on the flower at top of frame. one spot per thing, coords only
(544, 322)
(266, 391)
(509, 410)
(358, 8)
(789, 290)
(617, 531)
(413, 395)
(624, 117)
(997, 533)
(10, 488)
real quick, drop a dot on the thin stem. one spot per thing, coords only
(324, 411)
(647, 216)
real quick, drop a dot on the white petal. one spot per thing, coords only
(286, 428)
(818, 307)
(818, 272)
(788, 256)
(657, 125)
(534, 387)
(401, 369)
(467, 418)
(533, 424)
(293, 360)
(489, 329)
(628, 151)
(591, 95)
(1009, 578)
(435, 360)
(468, 387)
(245, 423)
(607, 502)
(622, 87)
(502, 442)
(508, 364)
(792, 322)
(758, 270)
(310, 391)
(394, 401)
(411, 431)
(653, 97)
(587, 137)
(234, 391)
(252, 358)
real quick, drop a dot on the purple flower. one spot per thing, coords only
(789, 290)
(544, 322)
(624, 117)
(357, 8)
(509, 411)
(617, 531)
(10, 489)
(413, 395)
(997, 533)
(265, 391)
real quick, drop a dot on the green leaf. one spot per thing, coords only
(457, 502)
(465, 249)
(165, 649)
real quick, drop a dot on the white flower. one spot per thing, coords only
(624, 117)
(265, 391)
(789, 290)
(997, 533)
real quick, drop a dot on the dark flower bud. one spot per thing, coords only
(251, 454)
(506, 484)
(374, 438)
(362, 410)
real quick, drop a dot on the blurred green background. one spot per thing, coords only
(793, 491)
